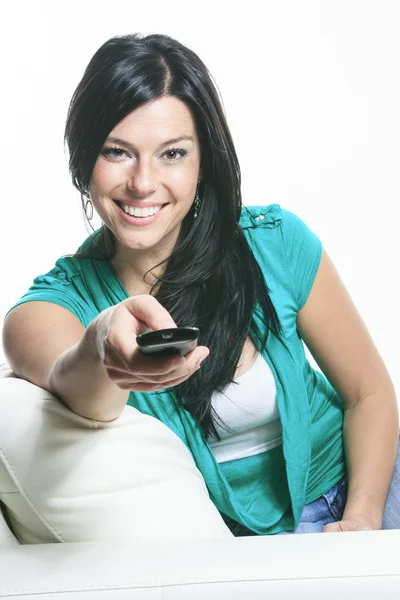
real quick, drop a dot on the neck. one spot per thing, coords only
(135, 268)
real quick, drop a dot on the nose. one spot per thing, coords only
(141, 179)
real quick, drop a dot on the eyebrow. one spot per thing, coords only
(167, 143)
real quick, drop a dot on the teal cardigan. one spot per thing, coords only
(266, 492)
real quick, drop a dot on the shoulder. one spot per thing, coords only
(285, 247)
(272, 222)
(63, 273)
(72, 265)
(253, 217)
(68, 266)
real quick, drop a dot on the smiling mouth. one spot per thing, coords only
(135, 211)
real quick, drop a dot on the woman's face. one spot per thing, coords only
(149, 166)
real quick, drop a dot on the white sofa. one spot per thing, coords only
(119, 510)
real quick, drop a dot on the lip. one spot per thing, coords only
(139, 221)
(140, 205)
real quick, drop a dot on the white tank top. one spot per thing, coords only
(249, 409)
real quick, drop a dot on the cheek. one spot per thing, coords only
(104, 177)
(183, 180)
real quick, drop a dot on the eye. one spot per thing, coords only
(114, 152)
(174, 154)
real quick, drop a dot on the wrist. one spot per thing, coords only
(365, 506)
(367, 520)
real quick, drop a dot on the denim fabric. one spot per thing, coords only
(391, 515)
(329, 508)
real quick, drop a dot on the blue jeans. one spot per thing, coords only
(329, 508)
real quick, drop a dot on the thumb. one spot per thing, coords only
(332, 527)
(150, 312)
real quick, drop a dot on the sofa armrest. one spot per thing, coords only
(7, 539)
(310, 566)
(65, 478)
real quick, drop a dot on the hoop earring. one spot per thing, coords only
(197, 204)
(89, 204)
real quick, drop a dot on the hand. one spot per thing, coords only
(115, 335)
(355, 523)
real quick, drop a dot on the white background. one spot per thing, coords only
(312, 95)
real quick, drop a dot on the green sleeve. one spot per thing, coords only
(303, 250)
(56, 287)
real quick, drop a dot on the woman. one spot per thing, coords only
(282, 447)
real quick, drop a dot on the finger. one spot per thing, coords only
(149, 387)
(118, 377)
(142, 367)
(331, 528)
(156, 372)
(147, 309)
(151, 366)
(121, 376)
(113, 358)
(134, 316)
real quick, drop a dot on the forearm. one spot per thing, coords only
(80, 380)
(371, 433)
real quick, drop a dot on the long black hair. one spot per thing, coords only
(211, 280)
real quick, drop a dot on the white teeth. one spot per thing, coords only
(140, 212)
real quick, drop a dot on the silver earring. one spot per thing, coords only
(197, 204)
(89, 209)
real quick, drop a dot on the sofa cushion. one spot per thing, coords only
(67, 478)
(5, 371)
